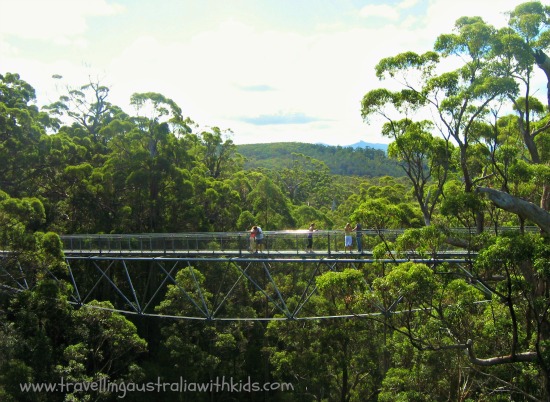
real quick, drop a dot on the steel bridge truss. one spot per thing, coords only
(217, 288)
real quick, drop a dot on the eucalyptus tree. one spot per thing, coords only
(488, 320)
(86, 111)
(147, 165)
(219, 153)
(155, 116)
(306, 180)
(270, 206)
(424, 158)
(243, 182)
(519, 48)
(334, 359)
(33, 319)
(199, 350)
(510, 273)
(219, 204)
(21, 130)
(523, 45)
(48, 338)
(304, 215)
(458, 97)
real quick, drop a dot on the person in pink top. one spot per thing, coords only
(253, 232)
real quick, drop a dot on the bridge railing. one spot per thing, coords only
(238, 243)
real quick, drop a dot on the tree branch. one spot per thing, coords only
(524, 209)
(525, 357)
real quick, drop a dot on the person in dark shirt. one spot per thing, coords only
(259, 240)
(309, 248)
(358, 237)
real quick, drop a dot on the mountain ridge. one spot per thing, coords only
(359, 159)
(373, 145)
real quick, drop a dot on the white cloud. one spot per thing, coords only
(243, 71)
(406, 4)
(385, 11)
(380, 11)
(304, 73)
(442, 14)
(53, 20)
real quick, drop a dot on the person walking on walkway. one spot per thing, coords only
(259, 239)
(358, 237)
(309, 248)
(348, 241)
(252, 244)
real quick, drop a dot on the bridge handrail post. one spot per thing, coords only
(328, 242)
(240, 245)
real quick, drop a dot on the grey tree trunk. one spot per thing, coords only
(522, 208)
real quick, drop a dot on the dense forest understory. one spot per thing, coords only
(83, 165)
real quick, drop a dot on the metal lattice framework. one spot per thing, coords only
(214, 276)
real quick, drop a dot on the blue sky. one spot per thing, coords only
(267, 70)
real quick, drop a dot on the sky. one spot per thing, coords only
(260, 70)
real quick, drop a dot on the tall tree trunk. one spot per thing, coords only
(543, 61)
(545, 199)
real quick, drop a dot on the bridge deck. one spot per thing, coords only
(273, 255)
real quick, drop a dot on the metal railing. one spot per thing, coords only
(236, 243)
(202, 243)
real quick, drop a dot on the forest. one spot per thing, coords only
(347, 161)
(479, 163)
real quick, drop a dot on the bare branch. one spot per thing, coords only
(524, 357)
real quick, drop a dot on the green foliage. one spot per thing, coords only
(52, 245)
(461, 205)
(270, 206)
(304, 215)
(401, 385)
(424, 241)
(344, 161)
(341, 288)
(82, 165)
(380, 214)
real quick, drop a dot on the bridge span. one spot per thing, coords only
(276, 244)
(208, 272)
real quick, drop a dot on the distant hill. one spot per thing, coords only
(355, 160)
(373, 145)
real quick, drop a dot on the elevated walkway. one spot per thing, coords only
(277, 244)
(134, 272)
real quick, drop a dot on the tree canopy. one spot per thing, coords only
(467, 169)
